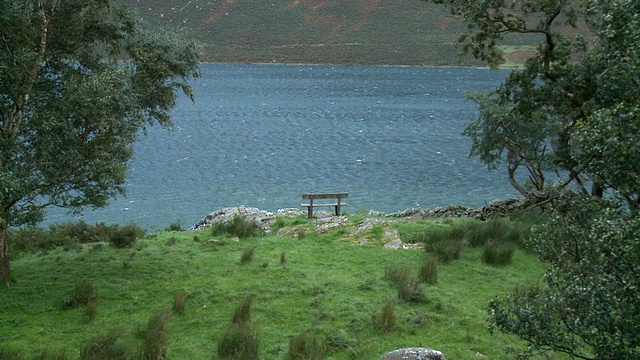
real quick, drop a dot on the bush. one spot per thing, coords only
(243, 312)
(385, 320)
(174, 226)
(429, 270)
(80, 231)
(239, 227)
(154, 344)
(82, 294)
(498, 253)
(105, 347)
(306, 346)
(125, 236)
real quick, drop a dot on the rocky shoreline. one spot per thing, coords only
(324, 221)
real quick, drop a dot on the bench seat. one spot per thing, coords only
(337, 205)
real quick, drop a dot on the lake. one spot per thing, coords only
(262, 135)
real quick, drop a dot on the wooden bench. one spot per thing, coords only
(312, 197)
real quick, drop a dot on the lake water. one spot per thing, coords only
(262, 135)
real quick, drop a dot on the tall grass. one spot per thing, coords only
(429, 270)
(306, 346)
(105, 346)
(155, 338)
(498, 253)
(240, 340)
(384, 320)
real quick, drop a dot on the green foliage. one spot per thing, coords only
(239, 226)
(588, 307)
(306, 346)
(446, 250)
(125, 236)
(155, 337)
(81, 80)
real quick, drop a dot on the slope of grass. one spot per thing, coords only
(327, 286)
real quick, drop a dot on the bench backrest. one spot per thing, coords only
(325, 196)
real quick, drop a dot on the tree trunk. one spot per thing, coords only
(5, 266)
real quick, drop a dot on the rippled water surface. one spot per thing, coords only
(262, 135)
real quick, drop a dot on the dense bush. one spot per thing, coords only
(498, 253)
(125, 236)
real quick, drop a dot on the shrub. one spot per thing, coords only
(154, 343)
(385, 320)
(239, 227)
(498, 253)
(179, 303)
(104, 347)
(429, 270)
(247, 255)
(125, 236)
(81, 231)
(83, 292)
(306, 346)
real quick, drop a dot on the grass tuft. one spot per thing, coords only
(429, 270)
(156, 339)
(385, 320)
(498, 253)
(105, 346)
(247, 255)
(239, 226)
(83, 292)
(306, 346)
(179, 303)
(240, 340)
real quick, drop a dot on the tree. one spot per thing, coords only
(588, 306)
(532, 120)
(79, 79)
(574, 107)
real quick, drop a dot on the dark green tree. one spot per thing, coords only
(79, 80)
(538, 118)
(574, 108)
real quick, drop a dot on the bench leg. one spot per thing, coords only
(310, 212)
(337, 210)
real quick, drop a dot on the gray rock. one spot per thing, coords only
(414, 354)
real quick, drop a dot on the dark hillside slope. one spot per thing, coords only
(371, 32)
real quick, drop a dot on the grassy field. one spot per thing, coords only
(322, 285)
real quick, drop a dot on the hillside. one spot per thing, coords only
(366, 32)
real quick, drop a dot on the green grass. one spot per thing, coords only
(327, 285)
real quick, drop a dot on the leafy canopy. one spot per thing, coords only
(79, 79)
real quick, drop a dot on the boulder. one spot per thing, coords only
(414, 354)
